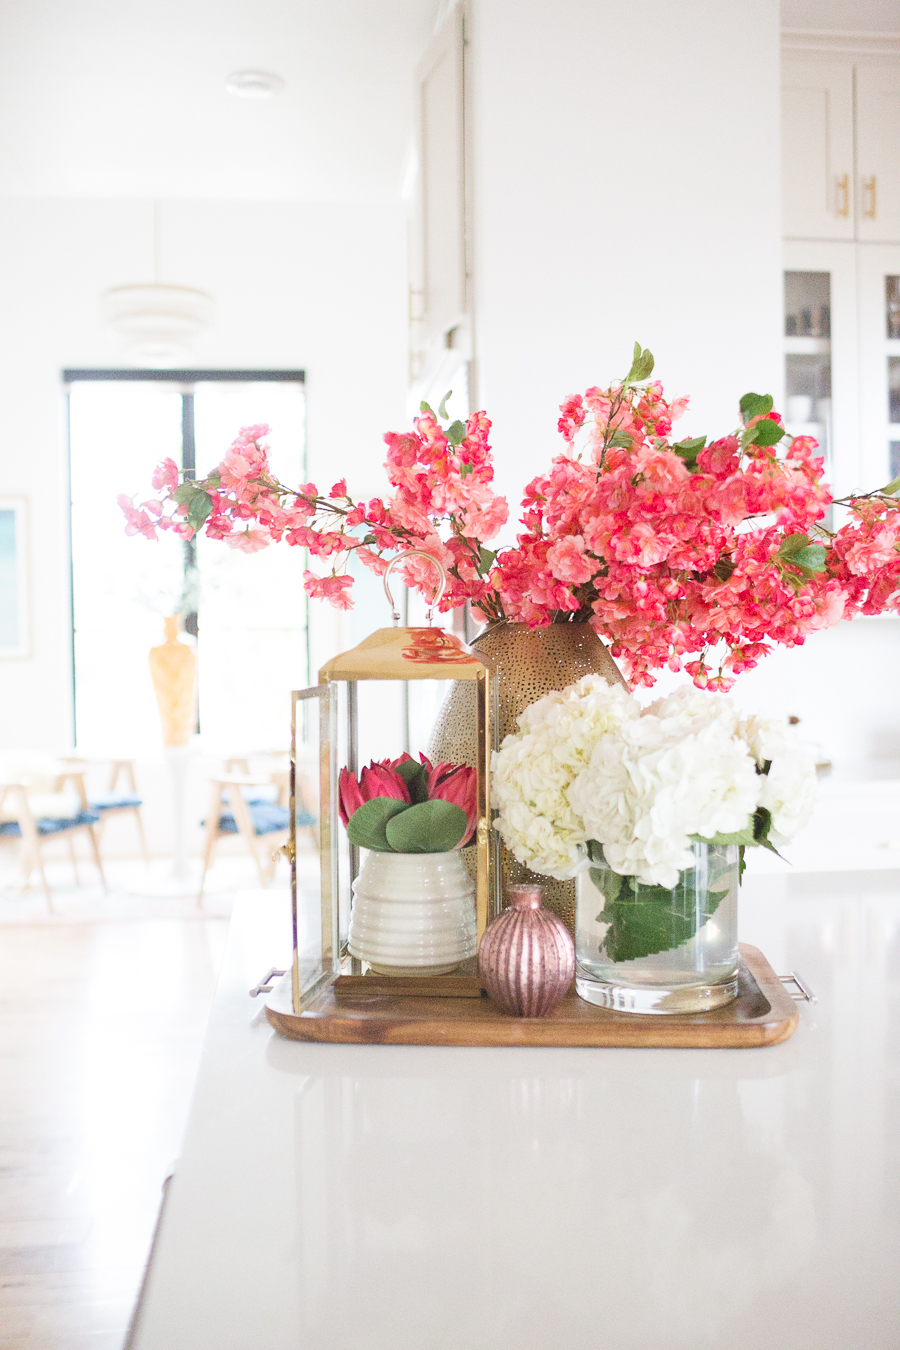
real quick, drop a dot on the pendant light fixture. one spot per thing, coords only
(157, 323)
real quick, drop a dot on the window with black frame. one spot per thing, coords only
(246, 614)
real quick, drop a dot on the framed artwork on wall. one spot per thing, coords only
(14, 626)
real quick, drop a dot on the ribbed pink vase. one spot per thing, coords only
(526, 957)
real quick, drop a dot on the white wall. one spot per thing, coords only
(316, 287)
(626, 187)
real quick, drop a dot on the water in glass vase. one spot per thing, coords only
(648, 949)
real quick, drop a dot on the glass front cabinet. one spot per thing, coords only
(841, 177)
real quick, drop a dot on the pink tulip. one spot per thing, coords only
(460, 787)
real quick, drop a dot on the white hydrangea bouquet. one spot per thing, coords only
(591, 776)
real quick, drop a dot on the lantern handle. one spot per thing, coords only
(439, 589)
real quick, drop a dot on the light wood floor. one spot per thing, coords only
(100, 1031)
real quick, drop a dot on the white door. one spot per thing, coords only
(878, 152)
(817, 149)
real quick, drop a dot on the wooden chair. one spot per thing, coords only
(21, 822)
(115, 800)
(231, 811)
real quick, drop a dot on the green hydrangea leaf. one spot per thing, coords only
(744, 836)
(653, 919)
(456, 433)
(429, 827)
(366, 827)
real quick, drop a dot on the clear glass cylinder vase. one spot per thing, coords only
(648, 949)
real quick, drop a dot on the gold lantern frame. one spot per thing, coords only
(389, 654)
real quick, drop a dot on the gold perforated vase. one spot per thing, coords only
(527, 663)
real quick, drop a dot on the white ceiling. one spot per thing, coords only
(123, 98)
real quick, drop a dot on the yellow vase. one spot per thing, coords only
(527, 663)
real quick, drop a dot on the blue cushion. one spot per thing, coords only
(267, 817)
(47, 826)
(114, 801)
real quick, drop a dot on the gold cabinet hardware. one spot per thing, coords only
(870, 197)
(842, 203)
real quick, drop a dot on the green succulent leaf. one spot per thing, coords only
(755, 405)
(429, 827)
(366, 827)
(415, 776)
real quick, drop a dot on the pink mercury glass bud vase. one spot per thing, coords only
(526, 957)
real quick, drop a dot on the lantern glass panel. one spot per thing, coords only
(314, 827)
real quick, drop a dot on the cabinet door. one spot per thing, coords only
(817, 149)
(879, 362)
(821, 355)
(439, 253)
(878, 161)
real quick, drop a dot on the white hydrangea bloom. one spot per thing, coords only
(532, 771)
(788, 790)
(677, 771)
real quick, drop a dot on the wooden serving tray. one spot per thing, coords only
(762, 1014)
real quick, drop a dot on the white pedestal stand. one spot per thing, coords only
(183, 877)
(178, 756)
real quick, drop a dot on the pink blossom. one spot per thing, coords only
(339, 489)
(137, 521)
(568, 562)
(573, 415)
(334, 589)
(250, 540)
(165, 475)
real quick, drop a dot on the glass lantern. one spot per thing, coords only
(374, 702)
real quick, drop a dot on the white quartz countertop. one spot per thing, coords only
(412, 1198)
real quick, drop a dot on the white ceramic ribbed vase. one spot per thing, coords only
(413, 913)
